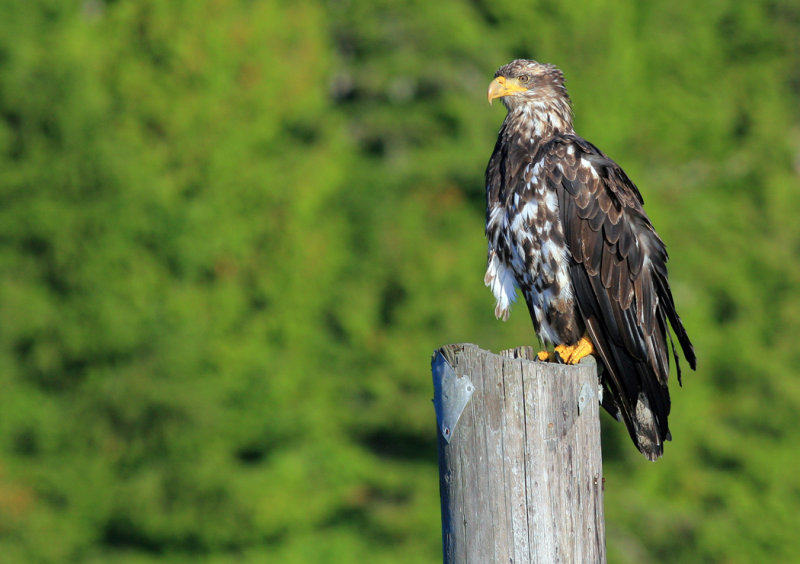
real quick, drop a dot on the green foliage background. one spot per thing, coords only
(233, 231)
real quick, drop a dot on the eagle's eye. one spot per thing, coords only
(523, 79)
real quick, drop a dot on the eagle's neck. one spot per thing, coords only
(540, 120)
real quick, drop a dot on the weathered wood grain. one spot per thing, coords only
(521, 477)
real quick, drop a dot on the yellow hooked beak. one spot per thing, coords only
(502, 86)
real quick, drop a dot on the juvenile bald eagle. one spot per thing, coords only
(566, 226)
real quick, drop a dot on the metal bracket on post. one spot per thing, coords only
(451, 394)
(586, 392)
(585, 395)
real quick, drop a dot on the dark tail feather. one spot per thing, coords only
(636, 398)
(635, 372)
(665, 296)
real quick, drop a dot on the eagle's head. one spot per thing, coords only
(535, 88)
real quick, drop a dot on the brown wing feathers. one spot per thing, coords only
(620, 283)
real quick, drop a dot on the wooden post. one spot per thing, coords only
(520, 471)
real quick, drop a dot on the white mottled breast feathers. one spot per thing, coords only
(500, 279)
(527, 250)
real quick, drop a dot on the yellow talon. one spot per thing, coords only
(573, 354)
(545, 356)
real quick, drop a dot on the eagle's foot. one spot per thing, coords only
(572, 354)
(546, 356)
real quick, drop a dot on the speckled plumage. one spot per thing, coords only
(566, 225)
